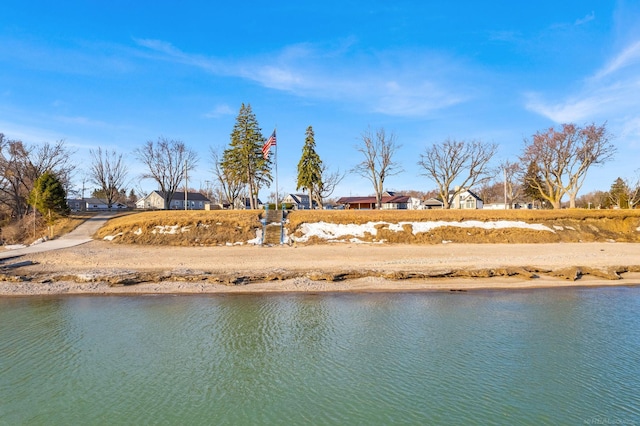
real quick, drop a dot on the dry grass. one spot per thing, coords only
(394, 216)
(220, 227)
(213, 227)
(25, 231)
(572, 225)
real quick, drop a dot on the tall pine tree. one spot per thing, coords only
(619, 194)
(532, 182)
(310, 168)
(49, 198)
(243, 160)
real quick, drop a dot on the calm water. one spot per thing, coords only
(526, 357)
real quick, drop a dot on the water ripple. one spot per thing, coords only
(486, 357)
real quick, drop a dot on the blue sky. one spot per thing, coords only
(116, 74)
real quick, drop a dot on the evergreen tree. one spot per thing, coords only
(132, 198)
(310, 168)
(243, 160)
(619, 193)
(49, 198)
(532, 183)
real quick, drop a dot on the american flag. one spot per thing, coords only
(268, 144)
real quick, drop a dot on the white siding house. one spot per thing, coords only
(155, 201)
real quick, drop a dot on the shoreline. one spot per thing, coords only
(103, 268)
(308, 287)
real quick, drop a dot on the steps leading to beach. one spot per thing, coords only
(273, 228)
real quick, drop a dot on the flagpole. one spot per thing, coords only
(276, 159)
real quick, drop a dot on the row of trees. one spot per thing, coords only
(558, 161)
(243, 169)
(21, 165)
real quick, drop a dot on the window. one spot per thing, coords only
(469, 204)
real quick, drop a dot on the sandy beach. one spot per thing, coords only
(100, 267)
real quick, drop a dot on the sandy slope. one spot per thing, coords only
(87, 268)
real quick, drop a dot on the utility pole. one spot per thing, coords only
(186, 185)
(505, 187)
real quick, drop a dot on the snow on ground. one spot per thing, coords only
(14, 246)
(333, 231)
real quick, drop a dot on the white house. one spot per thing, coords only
(299, 201)
(92, 204)
(466, 199)
(155, 200)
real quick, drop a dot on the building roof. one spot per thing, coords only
(468, 191)
(386, 199)
(179, 196)
(433, 202)
(472, 194)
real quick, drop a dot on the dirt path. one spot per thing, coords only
(81, 235)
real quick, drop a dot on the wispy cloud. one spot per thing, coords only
(79, 120)
(392, 83)
(629, 56)
(611, 93)
(79, 59)
(588, 18)
(220, 111)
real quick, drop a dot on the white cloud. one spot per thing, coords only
(219, 111)
(588, 18)
(610, 93)
(392, 83)
(629, 56)
(79, 120)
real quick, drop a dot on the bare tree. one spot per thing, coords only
(564, 156)
(512, 175)
(329, 182)
(461, 162)
(378, 164)
(167, 161)
(491, 192)
(633, 185)
(109, 172)
(230, 184)
(594, 200)
(21, 165)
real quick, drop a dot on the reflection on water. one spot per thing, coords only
(544, 356)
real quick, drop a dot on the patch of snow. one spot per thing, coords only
(558, 227)
(499, 224)
(638, 229)
(571, 228)
(332, 231)
(39, 241)
(14, 246)
(166, 229)
(111, 237)
(446, 241)
(138, 231)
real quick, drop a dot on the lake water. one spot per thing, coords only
(562, 356)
